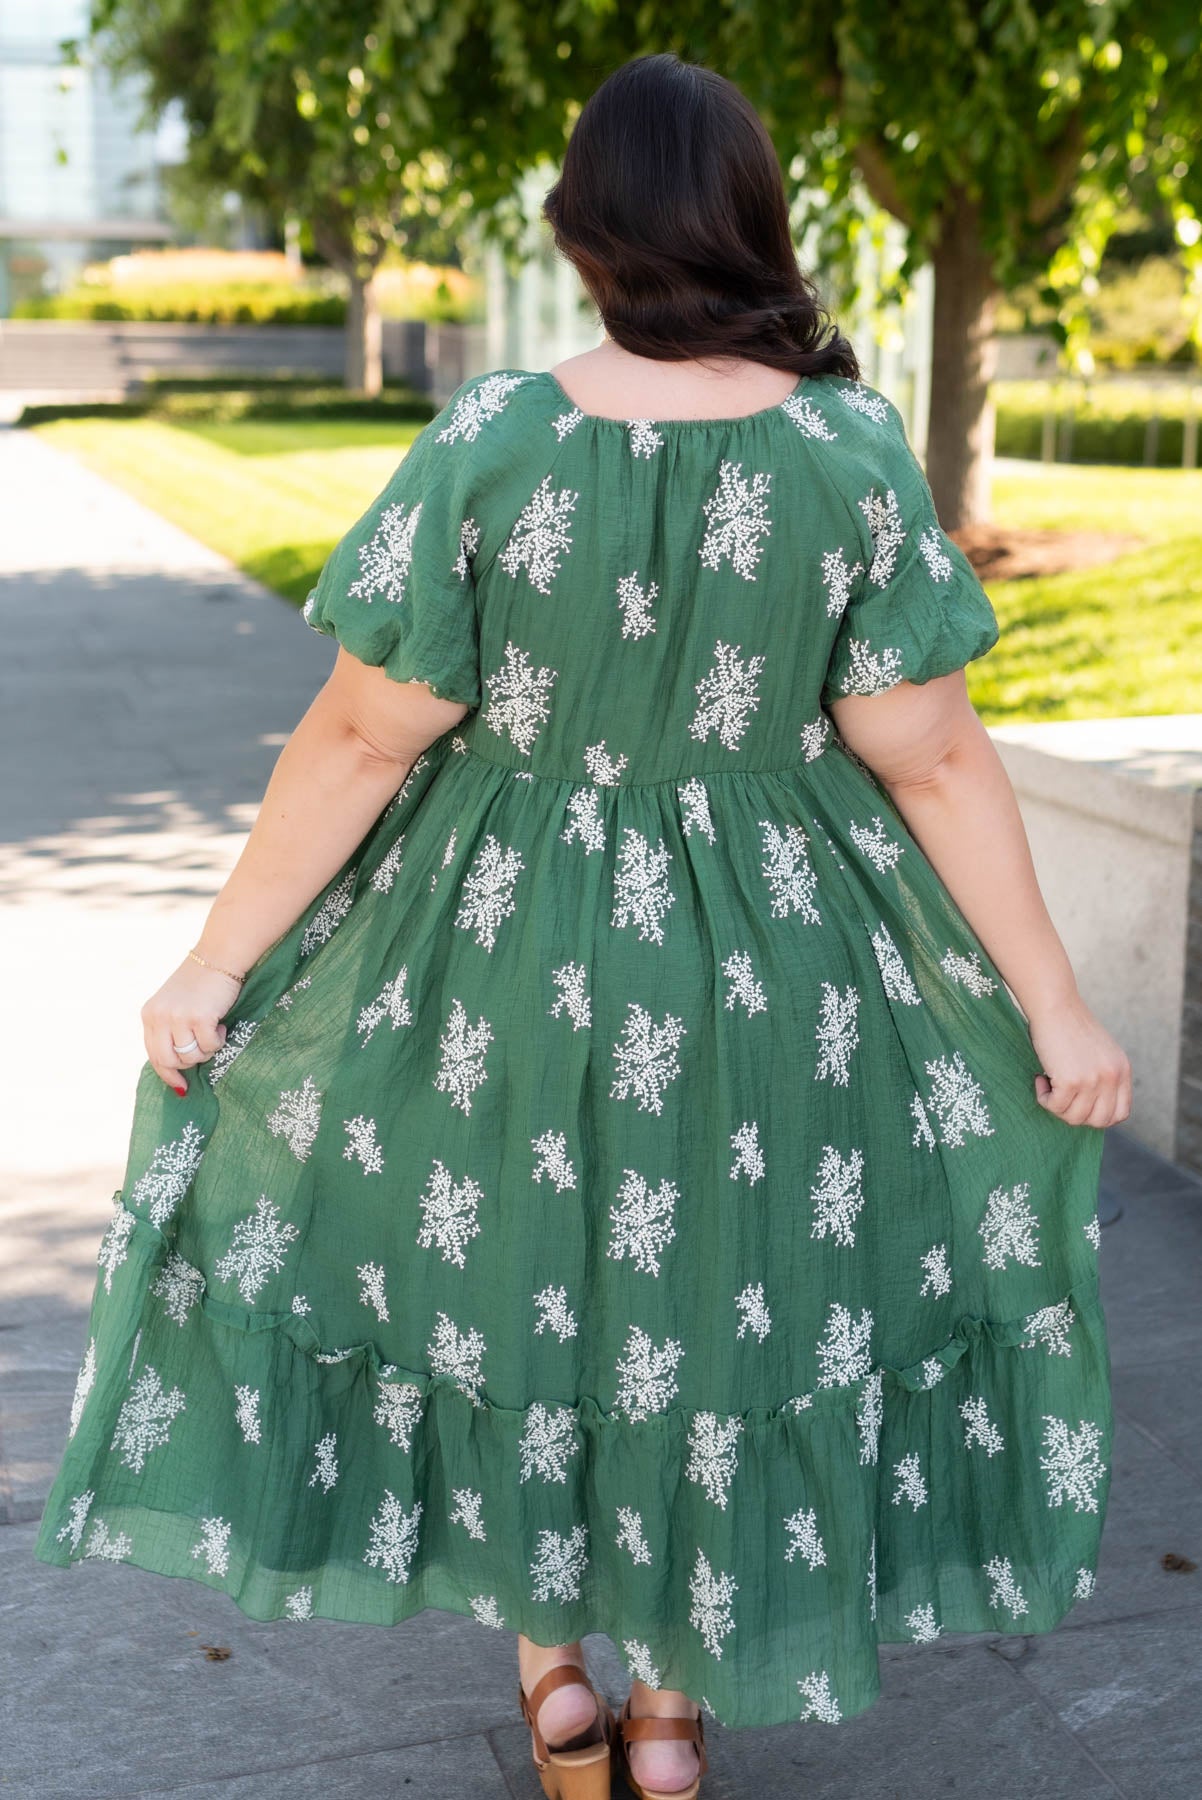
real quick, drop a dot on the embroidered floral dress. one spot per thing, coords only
(621, 1203)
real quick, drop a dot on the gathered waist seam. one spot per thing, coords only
(662, 781)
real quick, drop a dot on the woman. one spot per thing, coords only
(623, 1153)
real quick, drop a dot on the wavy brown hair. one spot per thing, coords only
(671, 205)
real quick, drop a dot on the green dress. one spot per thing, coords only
(621, 1202)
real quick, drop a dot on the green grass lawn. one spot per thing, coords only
(1123, 638)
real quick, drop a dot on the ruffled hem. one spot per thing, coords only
(894, 1508)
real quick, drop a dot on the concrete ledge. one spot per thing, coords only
(1113, 810)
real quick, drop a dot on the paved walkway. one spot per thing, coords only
(144, 688)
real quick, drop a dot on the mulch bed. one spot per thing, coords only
(1001, 554)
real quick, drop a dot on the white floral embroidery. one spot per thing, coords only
(170, 1175)
(635, 603)
(571, 981)
(862, 400)
(300, 1305)
(554, 1313)
(631, 1537)
(910, 1483)
(804, 1538)
(870, 671)
(449, 1213)
(393, 1542)
(214, 1545)
(469, 543)
(457, 1354)
(565, 422)
(551, 1159)
(299, 1606)
(116, 1242)
(547, 1442)
(559, 1563)
(1093, 1231)
(820, 1703)
(749, 1158)
(807, 418)
(968, 972)
(518, 704)
(398, 1408)
(736, 520)
(837, 1034)
(641, 1221)
(287, 999)
(236, 1039)
(646, 1374)
(837, 1195)
(484, 1607)
(923, 1627)
(956, 1100)
(390, 1003)
(1005, 1590)
(922, 1125)
(754, 1313)
(642, 896)
(882, 851)
(1071, 1462)
(362, 1145)
(387, 557)
(102, 1544)
(77, 1518)
(888, 535)
(246, 1414)
(326, 1470)
(297, 1117)
(179, 1287)
(1050, 1326)
(933, 1372)
(329, 915)
(869, 1417)
(895, 976)
(1010, 1228)
(932, 543)
(979, 1428)
(645, 1059)
(467, 1512)
(744, 990)
(463, 1048)
(787, 870)
(474, 409)
(640, 1665)
(1083, 1587)
(584, 821)
(145, 1420)
(844, 1350)
(487, 893)
(936, 1276)
(85, 1380)
(695, 802)
(371, 1274)
(726, 696)
(714, 1454)
(257, 1248)
(712, 1596)
(814, 736)
(838, 578)
(644, 439)
(540, 535)
(604, 769)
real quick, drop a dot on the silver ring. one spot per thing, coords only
(185, 1049)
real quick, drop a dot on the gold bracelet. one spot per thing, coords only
(216, 968)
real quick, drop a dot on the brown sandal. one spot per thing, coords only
(580, 1774)
(632, 1730)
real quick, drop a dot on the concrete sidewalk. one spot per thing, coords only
(144, 690)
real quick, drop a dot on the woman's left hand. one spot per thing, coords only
(187, 1009)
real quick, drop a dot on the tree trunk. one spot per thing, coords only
(964, 354)
(364, 359)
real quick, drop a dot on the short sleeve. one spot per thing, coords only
(397, 590)
(915, 608)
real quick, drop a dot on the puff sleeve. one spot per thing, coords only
(397, 590)
(915, 608)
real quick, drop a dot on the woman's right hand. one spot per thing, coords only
(190, 1004)
(1086, 1077)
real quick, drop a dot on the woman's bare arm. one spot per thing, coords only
(344, 762)
(943, 772)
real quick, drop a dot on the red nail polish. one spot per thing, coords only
(182, 1090)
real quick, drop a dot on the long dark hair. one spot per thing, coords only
(671, 205)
